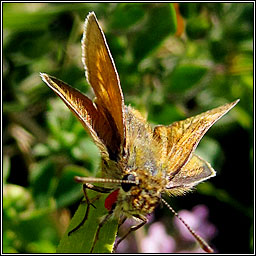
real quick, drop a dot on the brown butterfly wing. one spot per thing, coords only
(84, 110)
(192, 173)
(180, 139)
(103, 77)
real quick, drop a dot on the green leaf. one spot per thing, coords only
(6, 167)
(68, 191)
(165, 114)
(17, 16)
(81, 240)
(161, 22)
(190, 10)
(43, 181)
(185, 76)
(126, 15)
(198, 27)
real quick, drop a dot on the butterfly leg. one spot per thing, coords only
(92, 187)
(133, 228)
(121, 222)
(97, 188)
(99, 228)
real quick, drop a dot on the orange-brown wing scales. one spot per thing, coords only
(162, 136)
(194, 171)
(82, 107)
(102, 76)
(181, 138)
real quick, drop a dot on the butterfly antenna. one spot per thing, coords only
(199, 239)
(102, 180)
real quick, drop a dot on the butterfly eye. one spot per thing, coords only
(127, 186)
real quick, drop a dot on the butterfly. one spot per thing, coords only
(139, 163)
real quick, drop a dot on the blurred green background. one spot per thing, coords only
(165, 73)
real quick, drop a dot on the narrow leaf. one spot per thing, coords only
(81, 240)
(161, 23)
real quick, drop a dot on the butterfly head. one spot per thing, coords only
(142, 196)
